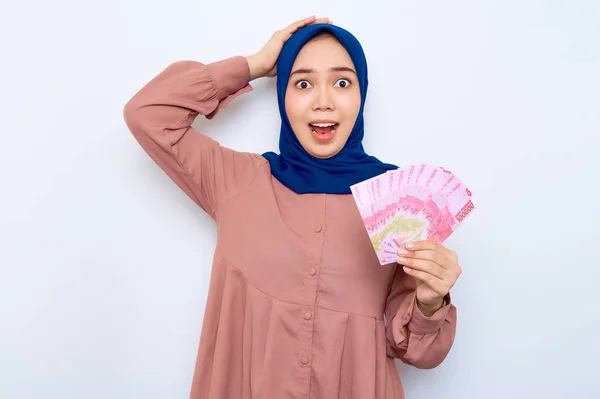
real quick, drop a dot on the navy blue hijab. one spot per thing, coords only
(295, 167)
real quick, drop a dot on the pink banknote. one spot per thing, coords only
(418, 202)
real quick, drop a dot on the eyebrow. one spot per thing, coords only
(332, 69)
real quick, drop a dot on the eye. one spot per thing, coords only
(343, 83)
(302, 84)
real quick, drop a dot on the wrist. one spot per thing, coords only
(428, 309)
(256, 69)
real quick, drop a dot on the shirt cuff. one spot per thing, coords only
(230, 75)
(421, 324)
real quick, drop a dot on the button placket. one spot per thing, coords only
(307, 316)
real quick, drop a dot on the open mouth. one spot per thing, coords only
(323, 132)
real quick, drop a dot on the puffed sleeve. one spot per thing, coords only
(160, 115)
(418, 340)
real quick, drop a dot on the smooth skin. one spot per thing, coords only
(323, 86)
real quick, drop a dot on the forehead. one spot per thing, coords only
(322, 51)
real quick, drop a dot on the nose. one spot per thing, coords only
(323, 100)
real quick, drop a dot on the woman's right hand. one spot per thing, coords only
(264, 62)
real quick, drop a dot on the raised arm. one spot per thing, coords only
(160, 116)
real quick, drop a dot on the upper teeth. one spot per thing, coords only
(322, 124)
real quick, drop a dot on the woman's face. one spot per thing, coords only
(322, 98)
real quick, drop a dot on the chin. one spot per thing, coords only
(323, 153)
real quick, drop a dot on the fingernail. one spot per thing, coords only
(402, 251)
(401, 259)
(407, 269)
(410, 245)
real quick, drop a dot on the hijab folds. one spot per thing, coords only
(294, 167)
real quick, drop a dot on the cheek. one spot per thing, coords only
(351, 104)
(295, 108)
(349, 107)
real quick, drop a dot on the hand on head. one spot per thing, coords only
(264, 62)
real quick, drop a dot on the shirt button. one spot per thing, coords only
(304, 360)
(307, 315)
(318, 228)
(312, 271)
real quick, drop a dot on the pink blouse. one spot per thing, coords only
(298, 306)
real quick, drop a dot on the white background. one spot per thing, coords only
(105, 263)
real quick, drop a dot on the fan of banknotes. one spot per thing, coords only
(417, 202)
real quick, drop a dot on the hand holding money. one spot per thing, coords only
(415, 203)
(435, 269)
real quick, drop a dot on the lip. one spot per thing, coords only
(323, 121)
(324, 138)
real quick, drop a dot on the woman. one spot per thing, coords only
(297, 298)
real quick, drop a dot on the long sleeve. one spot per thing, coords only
(160, 115)
(418, 340)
